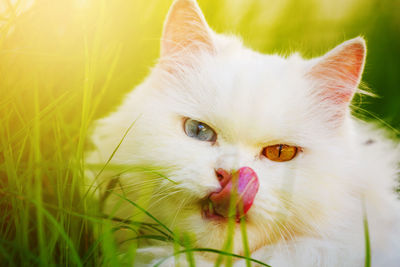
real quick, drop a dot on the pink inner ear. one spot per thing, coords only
(185, 29)
(339, 71)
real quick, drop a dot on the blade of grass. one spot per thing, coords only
(145, 212)
(109, 248)
(245, 240)
(212, 251)
(110, 158)
(366, 239)
(23, 251)
(74, 254)
(38, 180)
(39, 116)
(189, 255)
(228, 246)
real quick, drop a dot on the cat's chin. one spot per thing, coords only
(212, 232)
(208, 214)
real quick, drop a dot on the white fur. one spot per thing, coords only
(308, 211)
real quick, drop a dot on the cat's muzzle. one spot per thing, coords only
(236, 196)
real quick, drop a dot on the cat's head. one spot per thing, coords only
(212, 107)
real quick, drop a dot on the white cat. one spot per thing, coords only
(215, 119)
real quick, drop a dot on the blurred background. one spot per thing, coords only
(54, 45)
(64, 63)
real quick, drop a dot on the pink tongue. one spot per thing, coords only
(241, 188)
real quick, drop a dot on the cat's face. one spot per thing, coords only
(249, 102)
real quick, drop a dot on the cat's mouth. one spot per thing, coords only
(236, 196)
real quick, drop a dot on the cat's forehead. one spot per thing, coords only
(246, 95)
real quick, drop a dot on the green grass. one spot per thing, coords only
(63, 65)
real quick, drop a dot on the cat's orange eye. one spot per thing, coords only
(280, 152)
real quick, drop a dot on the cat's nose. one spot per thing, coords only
(239, 186)
(223, 177)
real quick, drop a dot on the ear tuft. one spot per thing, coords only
(338, 73)
(185, 29)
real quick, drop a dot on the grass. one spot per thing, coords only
(63, 65)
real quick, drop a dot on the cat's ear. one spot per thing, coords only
(337, 74)
(185, 30)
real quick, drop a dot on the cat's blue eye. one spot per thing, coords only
(199, 131)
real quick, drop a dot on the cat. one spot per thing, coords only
(216, 121)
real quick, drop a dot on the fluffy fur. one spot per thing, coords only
(308, 211)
